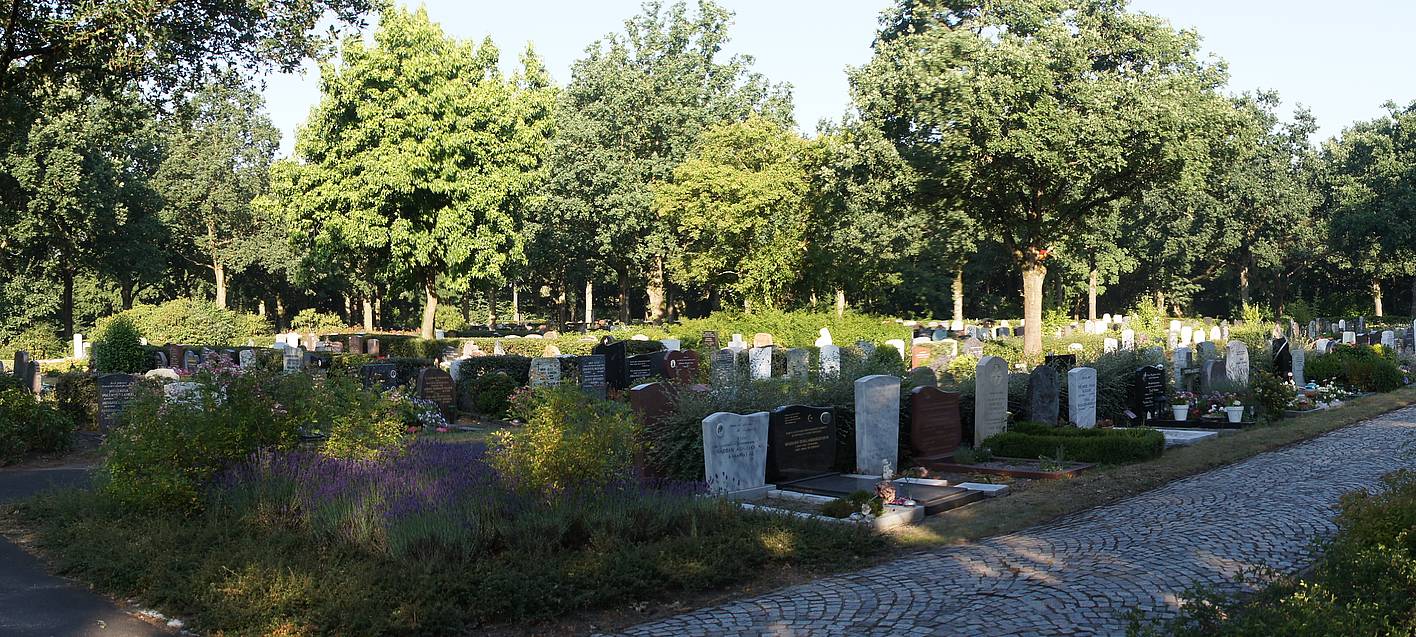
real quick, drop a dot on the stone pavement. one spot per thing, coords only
(35, 603)
(1081, 574)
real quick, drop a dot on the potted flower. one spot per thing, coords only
(1235, 411)
(1180, 405)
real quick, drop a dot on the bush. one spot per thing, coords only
(118, 348)
(29, 425)
(1271, 394)
(76, 394)
(1360, 584)
(194, 322)
(41, 341)
(790, 329)
(312, 321)
(571, 440)
(1110, 446)
(1362, 367)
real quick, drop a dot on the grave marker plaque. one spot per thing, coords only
(294, 359)
(651, 401)
(1081, 396)
(681, 366)
(1060, 362)
(115, 391)
(1043, 395)
(830, 359)
(759, 360)
(735, 454)
(640, 367)
(710, 341)
(725, 367)
(1296, 360)
(877, 422)
(1236, 362)
(1282, 358)
(176, 355)
(545, 372)
(615, 362)
(935, 430)
(798, 364)
(379, 376)
(1147, 393)
(436, 385)
(801, 443)
(919, 356)
(973, 347)
(592, 376)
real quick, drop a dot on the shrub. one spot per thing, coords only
(76, 394)
(790, 329)
(40, 340)
(1271, 394)
(1032, 440)
(193, 322)
(1360, 366)
(491, 393)
(359, 424)
(312, 321)
(28, 425)
(571, 440)
(118, 347)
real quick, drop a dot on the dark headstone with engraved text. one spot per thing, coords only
(436, 385)
(801, 442)
(115, 391)
(935, 427)
(592, 375)
(615, 362)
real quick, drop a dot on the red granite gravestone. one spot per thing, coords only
(651, 401)
(919, 356)
(356, 344)
(681, 366)
(436, 385)
(176, 355)
(935, 430)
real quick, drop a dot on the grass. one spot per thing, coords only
(1046, 500)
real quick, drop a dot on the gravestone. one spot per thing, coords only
(1128, 339)
(735, 454)
(1147, 393)
(191, 360)
(1081, 396)
(1207, 351)
(379, 376)
(877, 422)
(1349, 338)
(759, 362)
(294, 359)
(737, 343)
(1109, 345)
(951, 347)
(935, 430)
(641, 367)
(899, 345)
(671, 344)
(681, 366)
(1388, 339)
(615, 361)
(830, 358)
(920, 355)
(1297, 359)
(1211, 375)
(498, 350)
(318, 362)
(1060, 362)
(801, 443)
(1172, 340)
(990, 398)
(973, 347)
(371, 347)
(725, 367)
(592, 376)
(115, 391)
(651, 401)
(159, 360)
(939, 334)
(545, 372)
(309, 341)
(798, 364)
(1185, 333)
(1282, 358)
(710, 341)
(867, 348)
(1181, 363)
(923, 377)
(176, 355)
(436, 385)
(762, 339)
(824, 338)
(1236, 362)
(1043, 395)
(356, 344)
(1215, 333)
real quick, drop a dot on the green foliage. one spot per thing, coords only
(312, 321)
(358, 424)
(1360, 584)
(490, 393)
(1110, 446)
(117, 348)
(791, 329)
(195, 322)
(41, 341)
(1362, 367)
(76, 394)
(29, 425)
(853, 503)
(571, 440)
(1270, 393)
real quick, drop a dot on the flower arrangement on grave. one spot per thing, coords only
(1182, 398)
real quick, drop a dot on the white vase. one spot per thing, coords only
(1236, 414)
(1181, 412)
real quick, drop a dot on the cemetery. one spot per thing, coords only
(335, 317)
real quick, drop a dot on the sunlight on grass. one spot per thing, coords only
(779, 543)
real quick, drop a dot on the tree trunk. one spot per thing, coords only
(127, 289)
(561, 313)
(515, 304)
(840, 302)
(1377, 296)
(1413, 297)
(655, 290)
(624, 296)
(492, 306)
(589, 302)
(1034, 273)
(219, 271)
(369, 313)
(279, 313)
(1091, 295)
(1244, 283)
(67, 302)
(430, 309)
(959, 295)
(467, 305)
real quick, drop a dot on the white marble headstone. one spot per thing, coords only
(735, 454)
(830, 356)
(877, 422)
(1236, 362)
(898, 344)
(1081, 396)
(759, 362)
(671, 344)
(990, 398)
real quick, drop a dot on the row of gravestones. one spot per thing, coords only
(26, 370)
(1204, 367)
(743, 453)
(352, 344)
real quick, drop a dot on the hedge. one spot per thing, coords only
(1109, 446)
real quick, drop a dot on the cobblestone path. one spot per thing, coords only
(1080, 574)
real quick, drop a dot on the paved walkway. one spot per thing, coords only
(34, 603)
(1080, 574)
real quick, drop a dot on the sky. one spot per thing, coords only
(1341, 60)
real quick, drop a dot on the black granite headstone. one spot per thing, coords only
(115, 391)
(641, 367)
(1147, 393)
(801, 443)
(380, 376)
(592, 375)
(710, 341)
(615, 362)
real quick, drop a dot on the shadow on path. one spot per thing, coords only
(34, 603)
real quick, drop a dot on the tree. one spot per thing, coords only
(632, 111)
(1371, 175)
(1039, 112)
(421, 151)
(738, 207)
(218, 160)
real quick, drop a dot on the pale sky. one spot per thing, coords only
(1341, 60)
